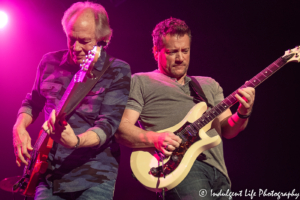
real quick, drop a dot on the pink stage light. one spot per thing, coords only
(3, 19)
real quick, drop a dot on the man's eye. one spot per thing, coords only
(71, 41)
(84, 41)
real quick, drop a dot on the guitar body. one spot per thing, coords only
(40, 166)
(143, 159)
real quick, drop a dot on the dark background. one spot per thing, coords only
(231, 41)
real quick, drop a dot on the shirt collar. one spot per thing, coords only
(65, 59)
(187, 79)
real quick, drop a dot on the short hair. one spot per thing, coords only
(170, 26)
(103, 30)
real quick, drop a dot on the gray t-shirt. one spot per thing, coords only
(162, 103)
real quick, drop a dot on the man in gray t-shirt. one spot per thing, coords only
(162, 98)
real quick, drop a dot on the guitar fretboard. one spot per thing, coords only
(231, 100)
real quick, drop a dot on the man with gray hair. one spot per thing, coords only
(80, 163)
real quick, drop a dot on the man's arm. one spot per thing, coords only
(21, 138)
(232, 124)
(64, 134)
(132, 136)
(32, 105)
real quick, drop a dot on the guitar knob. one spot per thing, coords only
(175, 158)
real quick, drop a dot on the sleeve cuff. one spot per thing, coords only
(25, 110)
(133, 107)
(101, 134)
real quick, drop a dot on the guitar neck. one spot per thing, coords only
(59, 108)
(79, 77)
(231, 100)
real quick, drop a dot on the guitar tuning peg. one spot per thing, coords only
(289, 51)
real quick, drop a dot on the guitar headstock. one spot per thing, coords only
(88, 63)
(292, 55)
(91, 58)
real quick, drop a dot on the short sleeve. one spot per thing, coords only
(135, 99)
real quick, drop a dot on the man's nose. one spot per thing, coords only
(179, 57)
(76, 46)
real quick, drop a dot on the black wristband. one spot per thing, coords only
(75, 147)
(243, 116)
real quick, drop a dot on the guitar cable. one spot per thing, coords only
(161, 194)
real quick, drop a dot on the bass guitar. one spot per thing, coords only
(156, 172)
(38, 164)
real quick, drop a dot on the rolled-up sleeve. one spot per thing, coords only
(114, 102)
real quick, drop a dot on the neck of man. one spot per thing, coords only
(180, 80)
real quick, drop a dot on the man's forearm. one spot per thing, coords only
(88, 139)
(23, 121)
(232, 125)
(134, 137)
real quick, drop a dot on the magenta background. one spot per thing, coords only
(232, 42)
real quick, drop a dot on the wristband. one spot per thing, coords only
(243, 116)
(75, 147)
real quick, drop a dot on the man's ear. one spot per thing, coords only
(155, 53)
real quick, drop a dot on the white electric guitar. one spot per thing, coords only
(156, 172)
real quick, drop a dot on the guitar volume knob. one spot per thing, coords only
(175, 158)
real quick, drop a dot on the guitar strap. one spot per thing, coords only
(195, 85)
(85, 87)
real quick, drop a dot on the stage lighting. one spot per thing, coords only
(3, 19)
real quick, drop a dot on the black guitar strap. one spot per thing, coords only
(194, 84)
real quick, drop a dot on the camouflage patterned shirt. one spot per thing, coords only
(100, 111)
